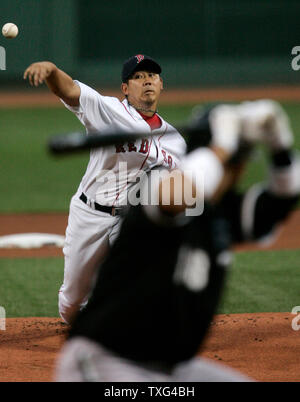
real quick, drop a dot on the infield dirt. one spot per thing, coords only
(263, 346)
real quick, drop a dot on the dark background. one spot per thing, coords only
(199, 43)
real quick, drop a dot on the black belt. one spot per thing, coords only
(103, 208)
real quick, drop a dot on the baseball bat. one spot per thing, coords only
(196, 131)
(77, 141)
(196, 136)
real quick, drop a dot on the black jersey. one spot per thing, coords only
(145, 305)
(159, 287)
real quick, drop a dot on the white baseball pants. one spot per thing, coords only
(82, 360)
(89, 235)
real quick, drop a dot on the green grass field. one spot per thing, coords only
(260, 281)
(29, 287)
(32, 180)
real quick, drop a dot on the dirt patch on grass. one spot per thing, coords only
(43, 98)
(288, 238)
(32, 223)
(263, 346)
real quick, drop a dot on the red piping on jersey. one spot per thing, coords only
(146, 156)
(144, 159)
(136, 175)
(175, 165)
(142, 163)
(127, 110)
(162, 134)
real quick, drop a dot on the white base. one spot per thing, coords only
(31, 240)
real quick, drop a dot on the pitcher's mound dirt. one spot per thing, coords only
(28, 348)
(262, 345)
(288, 238)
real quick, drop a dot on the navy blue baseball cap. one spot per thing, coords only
(139, 62)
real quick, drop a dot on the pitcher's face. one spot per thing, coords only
(143, 88)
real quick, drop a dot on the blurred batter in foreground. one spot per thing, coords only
(161, 283)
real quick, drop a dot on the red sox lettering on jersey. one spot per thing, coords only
(143, 148)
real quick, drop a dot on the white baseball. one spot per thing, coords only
(10, 30)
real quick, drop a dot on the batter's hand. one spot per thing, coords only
(37, 73)
(265, 121)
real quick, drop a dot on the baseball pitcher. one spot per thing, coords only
(95, 209)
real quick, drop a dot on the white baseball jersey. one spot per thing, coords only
(104, 113)
(90, 232)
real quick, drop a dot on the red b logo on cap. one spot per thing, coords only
(140, 57)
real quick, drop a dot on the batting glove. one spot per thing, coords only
(265, 121)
